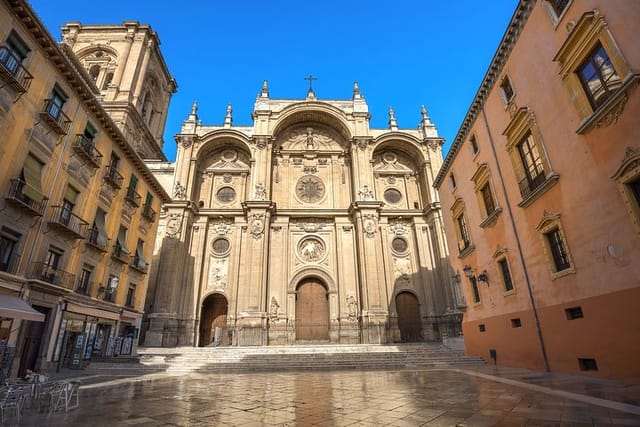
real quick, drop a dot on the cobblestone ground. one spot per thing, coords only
(437, 397)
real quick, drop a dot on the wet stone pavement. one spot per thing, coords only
(430, 397)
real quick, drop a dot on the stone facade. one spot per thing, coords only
(307, 226)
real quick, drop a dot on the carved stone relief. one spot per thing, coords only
(174, 224)
(310, 189)
(222, 226)
(311, 249)
(256, 225)
(179, 191)
(218, 273)
(370, 225)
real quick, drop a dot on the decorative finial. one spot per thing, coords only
(194, 107)
(310, 93)
(193, 115)
(393, 123)
(425, 116)
(265, 89)
(228, 120)
(356, 91)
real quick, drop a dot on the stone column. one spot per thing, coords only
(375, 298)
(251, 324)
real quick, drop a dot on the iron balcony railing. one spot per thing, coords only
(113, 177)
(66, 221)
(148, 213)
(52, 113)
(47, 273)
(12, 69)
(84, 287)
(85, 149)
(528, 185)
(139, 264)
(133, 197)
(17, 195)
(97, 239)
(120, 253)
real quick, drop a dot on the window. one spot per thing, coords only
(465, 241)
(531, 166)
(486, 199)
(32, 177)
(84, 283)
(506, 90)
(13, 53)
(516, 323)
(57, 100)
(138, 259)
(474, 145)
(556, 8)
(8, 249)
(474, 289)
(133, 183)
(94, 72)
(131, 293)
(558, 251)
(595, 72)
(587, 364)
(574, 313)
(452, 181)
(107, 81)
(89, 132)
(98, 235)
(559, 258)
(506, 275)
(120, 248)
(599, 79)
(132, 195)
(51, 264)
(111, 288)
(482, 327)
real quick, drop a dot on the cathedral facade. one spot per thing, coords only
(307, 226)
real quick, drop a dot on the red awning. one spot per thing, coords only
(17, 308)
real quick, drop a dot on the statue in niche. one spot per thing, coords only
(273, 309)
(311, 144)
(261, 192)
(352, 306)
(179, 191)
(365, 193)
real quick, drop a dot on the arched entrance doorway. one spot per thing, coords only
(409, 317)
(312, 312)
(213, 320)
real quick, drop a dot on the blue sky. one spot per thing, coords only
(402, 54)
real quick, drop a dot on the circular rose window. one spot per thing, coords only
(392, 195)
(226, 194)
(310, 189)
(220, 246)
(399, 245)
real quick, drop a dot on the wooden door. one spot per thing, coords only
(214, 314)
(312, 312)
(409, 317)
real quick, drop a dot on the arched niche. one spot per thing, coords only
(222, 174)
(398, 178)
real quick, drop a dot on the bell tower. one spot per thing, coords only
(131, 78)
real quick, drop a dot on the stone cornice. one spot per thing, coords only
(509, 39)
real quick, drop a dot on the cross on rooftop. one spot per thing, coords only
(311, 79)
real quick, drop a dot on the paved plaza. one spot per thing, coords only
(483, 396)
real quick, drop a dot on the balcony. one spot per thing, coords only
(52, 114)
(139, 264)
(67, 222)
(47, 273)
(528, 185)
(113, 177)
(12, 70)
(17, 196)
(148, 213)
(84, 147)
(120, 254)
(84, 287)
(133, 198)
(97, 240)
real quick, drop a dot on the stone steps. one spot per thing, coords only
(281, 358)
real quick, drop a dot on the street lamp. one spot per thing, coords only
(484, 277)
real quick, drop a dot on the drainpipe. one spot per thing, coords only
(518, 245)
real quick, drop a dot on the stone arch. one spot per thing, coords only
(312, 273)
(317, 112)
(211, 141)
(84, 52)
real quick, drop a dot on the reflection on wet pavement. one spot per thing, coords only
(436, 397)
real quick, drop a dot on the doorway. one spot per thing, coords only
(213, 321)
(409, 321)
(312, 312)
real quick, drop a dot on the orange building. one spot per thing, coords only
(541, 193)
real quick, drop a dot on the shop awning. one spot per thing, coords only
(16, 308)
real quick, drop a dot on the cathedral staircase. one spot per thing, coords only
(289, 358)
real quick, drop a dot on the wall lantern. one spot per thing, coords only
(484, 277)
(468, 271)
